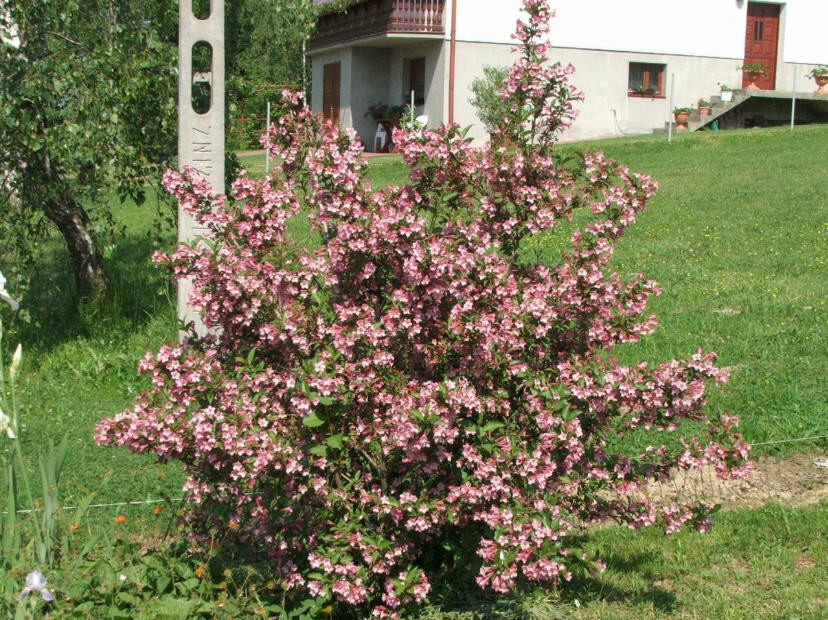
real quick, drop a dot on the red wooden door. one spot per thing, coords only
(331, 74)
(762, 41)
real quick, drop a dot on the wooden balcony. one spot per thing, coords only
(373, 18)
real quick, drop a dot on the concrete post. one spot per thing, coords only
(200, 135)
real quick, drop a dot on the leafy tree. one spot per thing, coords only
(486, 99)
(265, 37)
(87, 103)
(265, 43)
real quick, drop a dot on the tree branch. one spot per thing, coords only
(65, 38)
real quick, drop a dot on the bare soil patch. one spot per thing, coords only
(799, 480)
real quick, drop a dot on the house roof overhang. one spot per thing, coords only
(378, 41)
(369, 20)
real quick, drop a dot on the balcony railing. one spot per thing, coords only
(372, 18)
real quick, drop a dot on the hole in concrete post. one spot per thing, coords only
(201, 9)
(202, 77)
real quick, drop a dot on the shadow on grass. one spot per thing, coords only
(138, 291)
(464, 600)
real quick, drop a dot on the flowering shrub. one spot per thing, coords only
(365, 412)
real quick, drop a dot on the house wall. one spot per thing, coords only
(713, 28)
(802, 44)
(344, 56)
(369, 85)
(373, 74)
(603, 77)
(804, 24)
(702, 45)
(435, 78)
(601, 50)
(708, 28)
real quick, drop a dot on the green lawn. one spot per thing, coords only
(767, 563)
(736, 236)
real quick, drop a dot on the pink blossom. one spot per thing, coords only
(414, 376)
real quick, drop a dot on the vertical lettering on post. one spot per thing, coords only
(200, 112)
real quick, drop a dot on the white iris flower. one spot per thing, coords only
(5, 425)
(4, 295)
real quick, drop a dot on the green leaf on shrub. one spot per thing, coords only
(490, 426)
(312, 420)
(336, 441)
(208, 607)
(77, 588)
(319, 451)
(129, 599)
(188, 585)
(162, 583)
(169, 607)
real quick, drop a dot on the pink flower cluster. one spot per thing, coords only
(360, 407)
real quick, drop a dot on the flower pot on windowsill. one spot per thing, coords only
(651, 93)
(821, 81)
(640, 96)
(704, 110)
(726, 96)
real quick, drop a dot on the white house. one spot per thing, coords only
(626, 55)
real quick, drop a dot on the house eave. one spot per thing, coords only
(389, 39)
(366, 20)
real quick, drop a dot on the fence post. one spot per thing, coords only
(267, 151)
(670, 108)
(200, 135)
(793, 97)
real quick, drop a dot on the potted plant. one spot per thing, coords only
(387, 117)
(820, 75)
(395, 113)
(642, 91)
(704, 107)
(726, 93)
(377, 111)
(753, 72)
(682, 115)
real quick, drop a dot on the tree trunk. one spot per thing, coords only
(65, 212)
(87, 260)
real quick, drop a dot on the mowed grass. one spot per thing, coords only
(736, 238)
(764, 563)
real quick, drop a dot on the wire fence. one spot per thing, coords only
(768, 443)
(150, 502)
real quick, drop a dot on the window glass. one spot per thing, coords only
(646, 79)
(416, 81)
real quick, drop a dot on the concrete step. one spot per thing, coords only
(696, 117)
(717, 108)
(691, 127)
